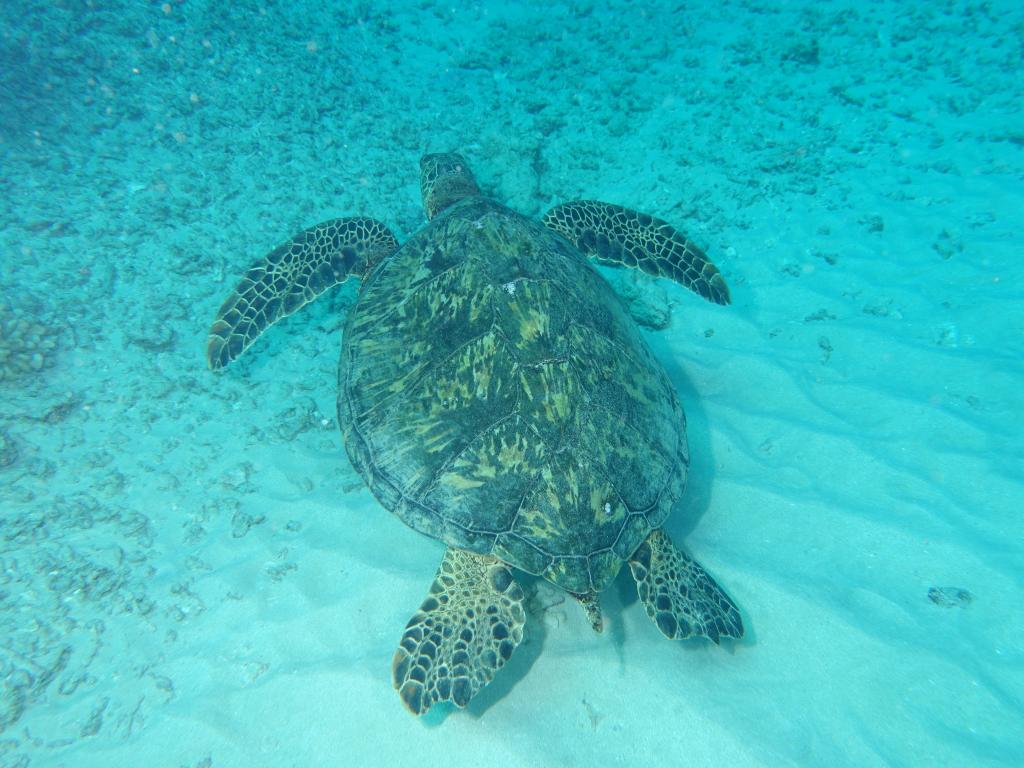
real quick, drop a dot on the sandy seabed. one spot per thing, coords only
(192, 574)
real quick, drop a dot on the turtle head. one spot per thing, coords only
(445, 179)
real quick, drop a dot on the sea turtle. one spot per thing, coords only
(494, 393)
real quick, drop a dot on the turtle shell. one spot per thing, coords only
(495, 394)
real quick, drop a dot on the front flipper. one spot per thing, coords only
(291, 276)
(679, 595)
(617, 236)
(462, 634)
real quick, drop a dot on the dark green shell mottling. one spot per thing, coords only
(495, 394)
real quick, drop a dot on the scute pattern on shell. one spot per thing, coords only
(495, 394)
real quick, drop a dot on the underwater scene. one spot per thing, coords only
(527, 384)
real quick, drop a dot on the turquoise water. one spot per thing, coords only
(191, 572)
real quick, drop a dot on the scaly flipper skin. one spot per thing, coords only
(291, 276)
(679, 595)
(462, 634)
(617, 236)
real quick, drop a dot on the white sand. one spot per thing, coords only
(193, 575)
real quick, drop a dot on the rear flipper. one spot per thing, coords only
(462, 634)
(679, 595)
(291, 276)
(618, 237)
